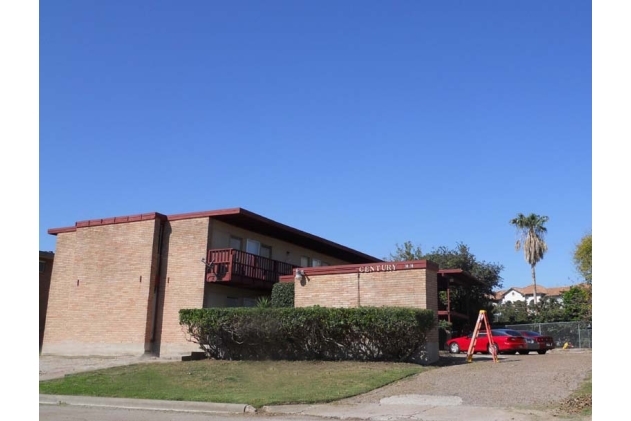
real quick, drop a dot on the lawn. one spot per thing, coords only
(257, 383)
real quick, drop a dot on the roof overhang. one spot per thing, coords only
(250, 221)
(256, 223)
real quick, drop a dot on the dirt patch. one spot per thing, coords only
(53, 366)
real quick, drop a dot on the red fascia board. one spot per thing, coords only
(254, 217)
(230, 214)
(379, 267)
(55, 231)
(206, 214)
(296, 231)
(119, 220)
(107, 221)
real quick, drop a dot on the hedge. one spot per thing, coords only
(310, 333)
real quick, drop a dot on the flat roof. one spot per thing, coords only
(247, 220)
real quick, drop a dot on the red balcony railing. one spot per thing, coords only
(238, 267)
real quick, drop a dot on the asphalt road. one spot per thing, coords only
(78, 413)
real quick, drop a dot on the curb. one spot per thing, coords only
(148, 404)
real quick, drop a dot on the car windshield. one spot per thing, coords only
(505, 332)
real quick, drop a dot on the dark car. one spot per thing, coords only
(536, 342)
(506, 341)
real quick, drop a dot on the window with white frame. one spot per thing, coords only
(253, 246)
(304, 261)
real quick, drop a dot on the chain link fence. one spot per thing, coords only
(575, 334)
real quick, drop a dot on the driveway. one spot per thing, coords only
(532, 383)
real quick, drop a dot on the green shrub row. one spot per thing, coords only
(310, 333)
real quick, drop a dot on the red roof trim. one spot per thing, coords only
(206, 214)
(237, 216)
(362, 268)
(55, 231)
(107, 221)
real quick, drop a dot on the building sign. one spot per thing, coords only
(377, 268)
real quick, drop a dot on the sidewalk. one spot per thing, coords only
(416, 407)
(147, 404)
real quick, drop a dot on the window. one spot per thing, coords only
(304, 262)
(316, 262)
(266, 251)
(235, 243)
(232, 302)
(253, 247)
(42, 266)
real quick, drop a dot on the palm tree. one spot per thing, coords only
(530, 231)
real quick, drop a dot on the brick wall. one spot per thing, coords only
(183, 281)
(416, 288)
(100, 289)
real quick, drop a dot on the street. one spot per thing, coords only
(82, 413)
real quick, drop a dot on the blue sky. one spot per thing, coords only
(367, 123)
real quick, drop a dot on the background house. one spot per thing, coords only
(527, 294)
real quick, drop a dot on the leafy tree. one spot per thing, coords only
(531, 231)
(467, 300)
(577, 303)
(512, 313)
(583, 257)
(405, 252)
(549, 311)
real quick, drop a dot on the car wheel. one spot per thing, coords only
(454, 348)
(541, 352)
(497, 349)
(524, 352)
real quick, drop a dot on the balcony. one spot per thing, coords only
(238, 268)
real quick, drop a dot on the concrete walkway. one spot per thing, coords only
(403, 407)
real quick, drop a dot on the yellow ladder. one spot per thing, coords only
(474, 337)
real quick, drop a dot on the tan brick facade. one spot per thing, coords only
(99, 290)
(183, 281)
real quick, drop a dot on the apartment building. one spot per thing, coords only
(118, 283)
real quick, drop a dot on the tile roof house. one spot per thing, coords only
(527, 294)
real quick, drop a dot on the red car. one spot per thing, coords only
(506, 341)
(536, 342)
